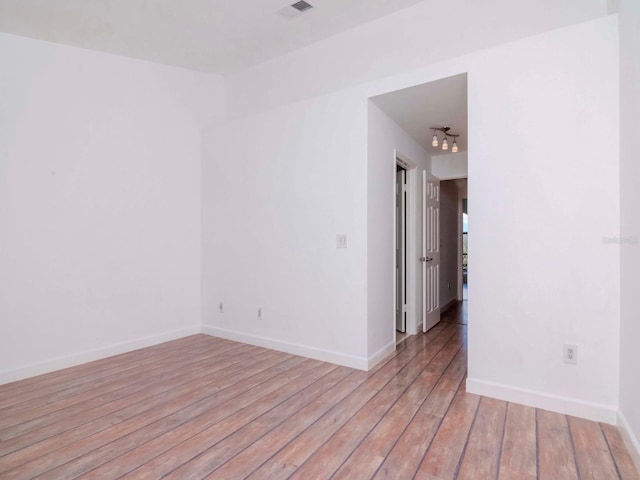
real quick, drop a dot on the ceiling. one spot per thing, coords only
(218, 36)
(442, 102)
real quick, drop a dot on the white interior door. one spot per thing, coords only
(401, 250)
(430, 251)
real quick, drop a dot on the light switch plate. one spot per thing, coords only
(571, 354)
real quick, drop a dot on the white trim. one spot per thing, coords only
(401, 159)
(459, 274)
(630, 440)
(555, 403)
(412, 292)
(330, 356)
(411, 286)
(450, 177)
(394, 280)
(423, 253)
(59, 363)
(385, 351)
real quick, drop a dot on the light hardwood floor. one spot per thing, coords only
(203, 407)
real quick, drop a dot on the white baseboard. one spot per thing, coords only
(630, 440)
(330, 356)
(11, 375)
(385, 351)
(546, 401)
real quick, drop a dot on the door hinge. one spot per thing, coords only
(404, 308)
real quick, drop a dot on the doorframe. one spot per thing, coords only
(411, 284)
(462, 195)
(460, 282)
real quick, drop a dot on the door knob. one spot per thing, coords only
(425, 259)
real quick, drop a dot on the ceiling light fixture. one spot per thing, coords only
(446, 135)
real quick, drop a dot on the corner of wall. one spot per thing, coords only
(380, 355)
(630, 440)
(629, 56)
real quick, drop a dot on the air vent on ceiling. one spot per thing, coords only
(302, 6)
(296, 9)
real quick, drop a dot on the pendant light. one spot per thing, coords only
(445, 138)
(454, 147)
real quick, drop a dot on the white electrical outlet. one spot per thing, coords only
(259, 313)
(571, 354)
(341, 240)
(221, 307)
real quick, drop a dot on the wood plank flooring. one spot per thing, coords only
(203, 407)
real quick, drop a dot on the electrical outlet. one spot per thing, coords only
(341, 240)
(259, 313)
(571, 354)
(221, 307)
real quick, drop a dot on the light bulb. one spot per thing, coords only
(445, 145)
(434, 142)
(454, 147)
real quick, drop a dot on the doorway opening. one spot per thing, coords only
(428, 121)
(401, 253)
(465, 250)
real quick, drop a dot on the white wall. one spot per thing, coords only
(99, 203)
(449, 239)
(630, 220)
(555, 200)
(385, 137)
(283, 183)
(100, 198)
(541, 203)
(278, 188)
(450, 166)
(408, 39)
